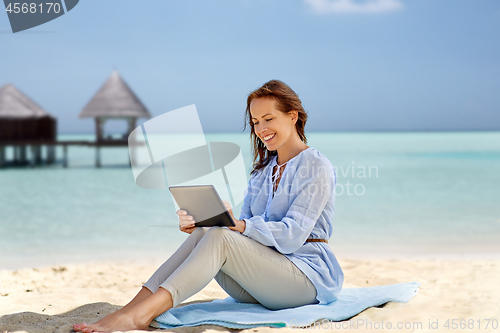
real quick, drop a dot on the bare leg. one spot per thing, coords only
(142, 295)
(158, 277)
(136, 316)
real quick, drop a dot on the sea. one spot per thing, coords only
(399, 195)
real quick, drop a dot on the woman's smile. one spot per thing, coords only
(269, 137)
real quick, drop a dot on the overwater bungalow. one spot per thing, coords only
(24, 124)
(114, 100)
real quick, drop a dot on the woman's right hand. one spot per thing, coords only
(186, 222)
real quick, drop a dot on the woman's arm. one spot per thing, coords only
(245, 209)
(239, 224)
(313, 191)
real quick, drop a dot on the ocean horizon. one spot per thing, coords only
(414, 194)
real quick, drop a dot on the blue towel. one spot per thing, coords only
(229, 313)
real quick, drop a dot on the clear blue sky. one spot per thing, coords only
(356, 65)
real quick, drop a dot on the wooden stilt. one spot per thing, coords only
(22, 154)
(131, 126)
(42, 161)
(38, 154)
(32, 157)
(2, 156)
(16, 154)
(51, 154)
(131, 156)
(97, 156)
(65, 156)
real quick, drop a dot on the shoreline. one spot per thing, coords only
(404, 254)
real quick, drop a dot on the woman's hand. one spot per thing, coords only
(240, 224)
(186, 222)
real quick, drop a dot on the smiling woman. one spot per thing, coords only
(277, 119)
(277, 253)
(290, 209)
(270, 112)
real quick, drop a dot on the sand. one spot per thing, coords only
(51, 299)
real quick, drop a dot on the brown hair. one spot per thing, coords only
(286, 101)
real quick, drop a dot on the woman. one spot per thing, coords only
(277, 253)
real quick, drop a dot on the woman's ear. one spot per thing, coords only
(294, 116)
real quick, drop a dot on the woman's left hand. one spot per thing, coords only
(240, 224)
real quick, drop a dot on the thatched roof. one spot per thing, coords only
(16, 105)
(115, 100)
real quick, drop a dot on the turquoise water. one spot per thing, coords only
(429, 194)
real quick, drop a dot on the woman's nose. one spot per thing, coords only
(259, 129)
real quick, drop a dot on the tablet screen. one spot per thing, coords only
(204, 204)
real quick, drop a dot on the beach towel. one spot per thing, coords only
(231, 314)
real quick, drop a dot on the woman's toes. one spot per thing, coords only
(94, 328)
(79, 327)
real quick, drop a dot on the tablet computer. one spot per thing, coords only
(203, 203)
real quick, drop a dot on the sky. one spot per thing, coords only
(378, 65)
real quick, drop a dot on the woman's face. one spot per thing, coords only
(271, 126)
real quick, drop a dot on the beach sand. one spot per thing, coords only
(51, 299)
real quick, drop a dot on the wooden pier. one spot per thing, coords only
(34, 147)
(28, 128)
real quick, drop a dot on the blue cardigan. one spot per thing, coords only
(302, 207)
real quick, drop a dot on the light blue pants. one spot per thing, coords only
(247, 270)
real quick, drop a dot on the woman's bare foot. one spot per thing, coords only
(142, 295)
(80, 327)
(119, 322)
(137, 316)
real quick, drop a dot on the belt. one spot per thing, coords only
(316, 240)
